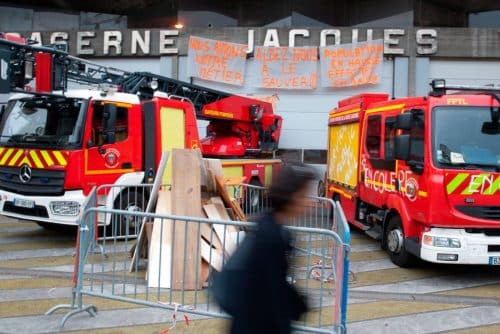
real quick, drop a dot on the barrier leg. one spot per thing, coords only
(74, 307)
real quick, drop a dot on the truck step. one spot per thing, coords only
(375, 232)
(360, 225)
(378, 216)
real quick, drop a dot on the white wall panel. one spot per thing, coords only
(466, 72)
(152, 65)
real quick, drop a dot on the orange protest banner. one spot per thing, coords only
(287, 68)
(351, 64)
(216, 60)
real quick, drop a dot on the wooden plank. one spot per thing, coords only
(211, 187)
(234, 181)
(238, 212)
(224, 232)
(217, 200)
(221, 189)
(203, 170)
(214, 169)
(186, 201)
(213, 258)
(160, 248)
(211, 236)
(153, 197)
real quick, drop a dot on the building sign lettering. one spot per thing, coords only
(160, 42)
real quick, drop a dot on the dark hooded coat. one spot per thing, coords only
(253, 288)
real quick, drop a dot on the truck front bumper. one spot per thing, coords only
(459, 246)
(63, 209)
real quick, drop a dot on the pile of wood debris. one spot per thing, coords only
(181, 254)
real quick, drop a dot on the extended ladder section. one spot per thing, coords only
(54, 68)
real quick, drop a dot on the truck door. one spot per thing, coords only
(111, 143)
(412, 174)
(378, 167)
(172, 132)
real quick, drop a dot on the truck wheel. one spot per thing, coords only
(253, 197)
(395, 244)
(131, 201)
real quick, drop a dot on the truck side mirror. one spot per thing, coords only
(404, 121)
(2, 111)
(402, 147)
(493, 127)
(109, 123)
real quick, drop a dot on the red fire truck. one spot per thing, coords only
(57, 143)
(421, 174)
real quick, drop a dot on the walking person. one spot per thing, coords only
(253, 288)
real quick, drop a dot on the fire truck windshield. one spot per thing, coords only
(48, 122)
(460, 141)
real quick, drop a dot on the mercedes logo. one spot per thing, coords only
(25, 174)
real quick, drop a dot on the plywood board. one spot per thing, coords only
(214, 169)
(238, 212)
(186, 201)
(217, 200)
(224, 232)
(160, 247)
(211, 236)
(203, 170)
(213, 258)
(222, 190)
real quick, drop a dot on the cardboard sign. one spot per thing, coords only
(217, 60)
(349, 65)
(287, 68)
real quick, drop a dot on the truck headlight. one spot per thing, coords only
(442, 241)
(65, 208)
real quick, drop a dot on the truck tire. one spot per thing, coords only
(132, 201)
(395, 244)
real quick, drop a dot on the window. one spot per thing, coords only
(389, 133)
(289, 155)
(121, 127)
(373, 136)
(302, 155)
(417, 139)
(315, 156)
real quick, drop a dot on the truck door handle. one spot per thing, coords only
(126, 165)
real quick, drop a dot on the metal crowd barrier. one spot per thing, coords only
(254, 201)
(318, 263)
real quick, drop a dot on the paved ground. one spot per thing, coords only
(36, 266)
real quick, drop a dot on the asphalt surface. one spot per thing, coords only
(36, 268)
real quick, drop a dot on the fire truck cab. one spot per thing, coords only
(421, 174)
(57, 143)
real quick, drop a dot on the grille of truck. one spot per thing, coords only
(43, 182)
(483, 212)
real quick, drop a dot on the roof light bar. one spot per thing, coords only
(439, 87)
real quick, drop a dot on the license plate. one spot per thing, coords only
(494, 261)
(24, 203)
